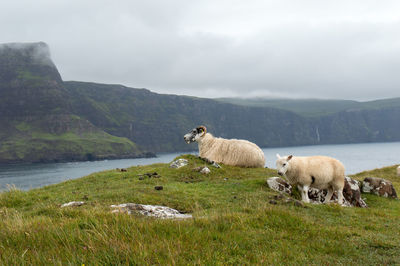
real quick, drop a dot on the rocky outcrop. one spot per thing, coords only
(150, 210)
(279, 184)
(351, 192)
(179, 163)
(379, 186)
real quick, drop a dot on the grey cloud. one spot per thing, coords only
(220, 49)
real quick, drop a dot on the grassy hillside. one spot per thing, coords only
(55, 138)
(233, 223)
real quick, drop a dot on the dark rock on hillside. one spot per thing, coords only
(351, 191)
(379, 186)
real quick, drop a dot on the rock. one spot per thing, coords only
(299, 203)
(279, 184)
(149, 175)
(202, 169)
(214, 164)
(316, 195)
(179, 163)
(398, 170)
(205, 170)
(352, 193)
(73, 204)
(379, 186)
(158, 187)
(150, 210)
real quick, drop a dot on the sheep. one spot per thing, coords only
(234, 152)
(320, 172)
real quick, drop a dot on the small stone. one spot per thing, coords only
(205, 170)
(273, 202)
(214, 164)
(288, 200)
(198, 169)
(158, 187)
(73, 204)
(298, 203)
(225, 179)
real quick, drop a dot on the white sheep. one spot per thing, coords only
(235, 152)
(320, 172)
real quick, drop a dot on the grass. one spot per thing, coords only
(233, 223)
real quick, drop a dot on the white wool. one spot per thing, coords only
(233, 152)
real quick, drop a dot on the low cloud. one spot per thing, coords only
(223, 49)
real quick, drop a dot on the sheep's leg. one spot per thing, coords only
(304, 193)
(329, 195)
(340, 196)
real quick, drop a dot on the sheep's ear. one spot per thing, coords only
(289, 157)
(278, 156)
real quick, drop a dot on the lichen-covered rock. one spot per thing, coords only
(150, 210)
(279, 184)
(202, 169)
(179, 163)
(351, 192)
(73, 204)
(205, 170)
(379, 186)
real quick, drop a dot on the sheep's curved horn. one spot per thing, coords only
(204, 130)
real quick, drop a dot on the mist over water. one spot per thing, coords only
(355, 157)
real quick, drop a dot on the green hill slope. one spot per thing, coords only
(157, 122)
(233, 223)
(37, 122)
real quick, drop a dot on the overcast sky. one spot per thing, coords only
(215, 48)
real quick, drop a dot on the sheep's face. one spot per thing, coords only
(194, 135)
(283, 164)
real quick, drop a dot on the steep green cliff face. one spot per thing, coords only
(158, 122)
(36, 120)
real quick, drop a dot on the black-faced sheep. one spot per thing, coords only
(235, 152)
(316, 171)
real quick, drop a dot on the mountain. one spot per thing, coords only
(313, 107)
(44, 118)
(157, 122)
(37, 122)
